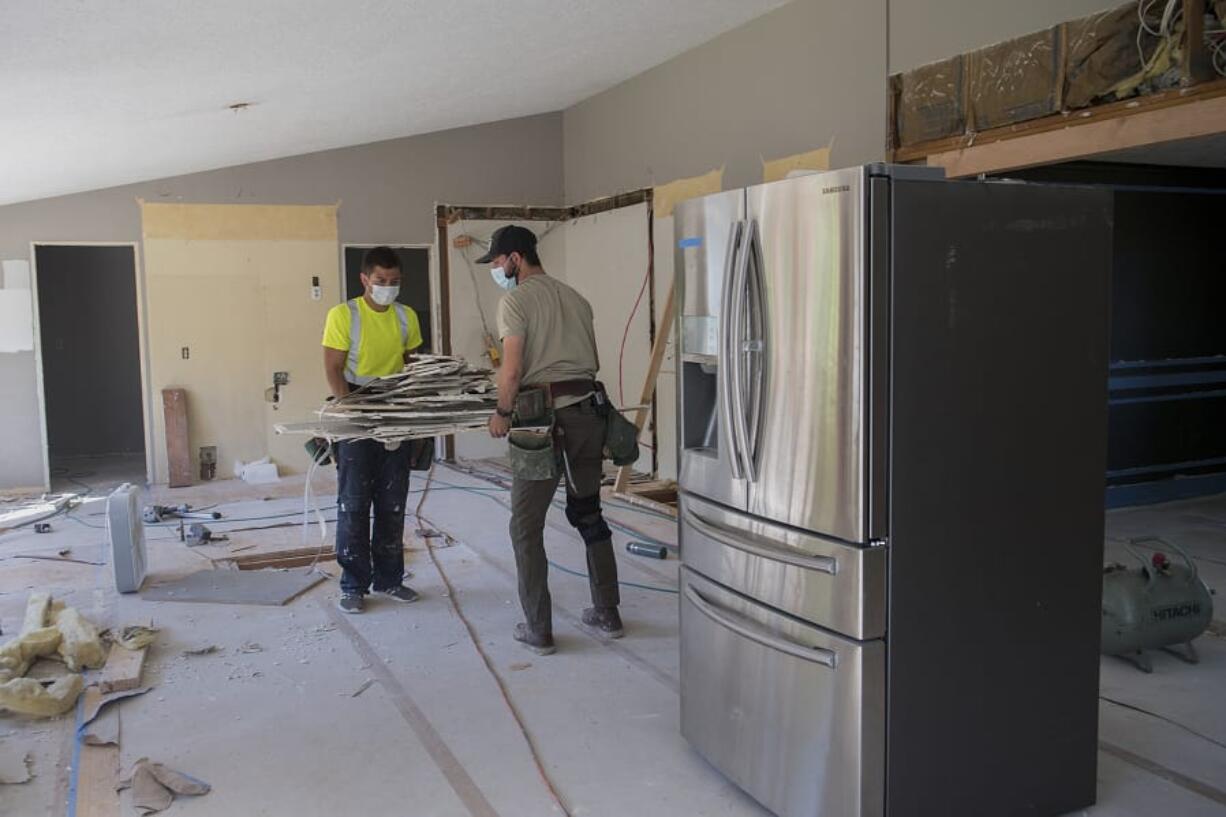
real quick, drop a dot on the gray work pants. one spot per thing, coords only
(581, 431)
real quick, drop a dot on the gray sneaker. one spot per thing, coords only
(604, 620)
(539, 644)
(403, 593)
(351, 603)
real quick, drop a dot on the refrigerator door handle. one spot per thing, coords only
(760, 634)
(755, 348)
(740, 291)
(724, 377)
(740, 540)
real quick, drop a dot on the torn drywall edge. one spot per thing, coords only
(16, 274)
(16, 321)
(812, 160)
(239, 222)
(667, 196)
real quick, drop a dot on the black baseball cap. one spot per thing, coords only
(507, 240)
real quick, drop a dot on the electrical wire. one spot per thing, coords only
(1171, 721)
(489, 665)
(621, 353)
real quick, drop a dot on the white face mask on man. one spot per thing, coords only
(384, 296)
(504, 279)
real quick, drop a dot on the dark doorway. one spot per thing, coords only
(414, 282)
(90, 340)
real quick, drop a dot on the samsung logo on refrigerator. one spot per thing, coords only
(842, 188)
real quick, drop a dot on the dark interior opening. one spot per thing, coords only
(90, 340)
(1167, 382)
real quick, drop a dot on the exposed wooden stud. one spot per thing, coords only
(1125, 109)
(649, 386)
(1204, 116)
(1197, 63)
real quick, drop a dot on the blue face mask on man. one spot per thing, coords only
(503, 278)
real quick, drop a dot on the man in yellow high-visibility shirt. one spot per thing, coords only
(368, 337)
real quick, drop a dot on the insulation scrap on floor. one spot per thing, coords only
(154, 786)
(49, 629)
(29, 697)
(433, 395)
(132, 636)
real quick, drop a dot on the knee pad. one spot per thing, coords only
(584, 515)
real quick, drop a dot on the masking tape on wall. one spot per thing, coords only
(813, 160)
(238, 222)
(667, 196)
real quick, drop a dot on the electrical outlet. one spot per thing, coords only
(280, 378)
(317, 291)
(187, 352)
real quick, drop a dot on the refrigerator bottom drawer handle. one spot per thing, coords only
(816, 655)
(740, 541)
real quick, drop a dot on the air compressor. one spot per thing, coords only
(1155, 605)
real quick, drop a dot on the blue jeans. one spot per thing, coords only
(367, 473)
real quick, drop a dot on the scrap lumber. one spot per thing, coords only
(98, 781)
(122, 670)
(178, 451)
(434, 395)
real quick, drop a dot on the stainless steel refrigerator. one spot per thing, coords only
(892, 431)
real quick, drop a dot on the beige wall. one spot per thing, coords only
(924, 31)
(790, 81)
(386, 191)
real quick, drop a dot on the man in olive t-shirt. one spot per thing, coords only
(549, 343)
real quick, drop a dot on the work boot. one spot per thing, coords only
(403, 593)
(605, 620)
(539, 644)
(351, 603)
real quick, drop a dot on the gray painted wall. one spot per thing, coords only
(787, 82)
(91, 351)
(924, 31)
(387, 192)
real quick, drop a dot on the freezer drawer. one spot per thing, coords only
(792, 714)
(829, 583)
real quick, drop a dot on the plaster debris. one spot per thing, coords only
(154, 786)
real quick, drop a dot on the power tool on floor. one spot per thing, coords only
(1155, 605)
(159, 513)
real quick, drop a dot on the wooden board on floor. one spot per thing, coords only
(98, 782)
(178, 451)
(122, 670)
(265, 587)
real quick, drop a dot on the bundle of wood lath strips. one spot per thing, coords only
(433, 395)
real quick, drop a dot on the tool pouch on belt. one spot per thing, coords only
(421, 454)
(621, 437)
(533, 455)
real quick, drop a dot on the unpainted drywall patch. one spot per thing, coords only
(667, 196)
(238, 222)
(16, 308)
(812, 160)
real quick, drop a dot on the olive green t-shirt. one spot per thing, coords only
(555, 322)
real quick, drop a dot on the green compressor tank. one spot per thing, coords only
(1155, 605)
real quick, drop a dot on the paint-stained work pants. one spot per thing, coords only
(368, 474)
(582, 433)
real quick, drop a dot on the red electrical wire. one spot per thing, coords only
(621, 355)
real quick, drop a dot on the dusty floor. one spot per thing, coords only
(272, 721)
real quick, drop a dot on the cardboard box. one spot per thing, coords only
(1100, 52)
(1016, 80)
(930, 101)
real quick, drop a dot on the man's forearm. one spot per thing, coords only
(337, 383)
(508, 388)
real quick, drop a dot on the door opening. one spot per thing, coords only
(89, 337)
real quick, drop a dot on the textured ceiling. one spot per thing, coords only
(95, 93)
